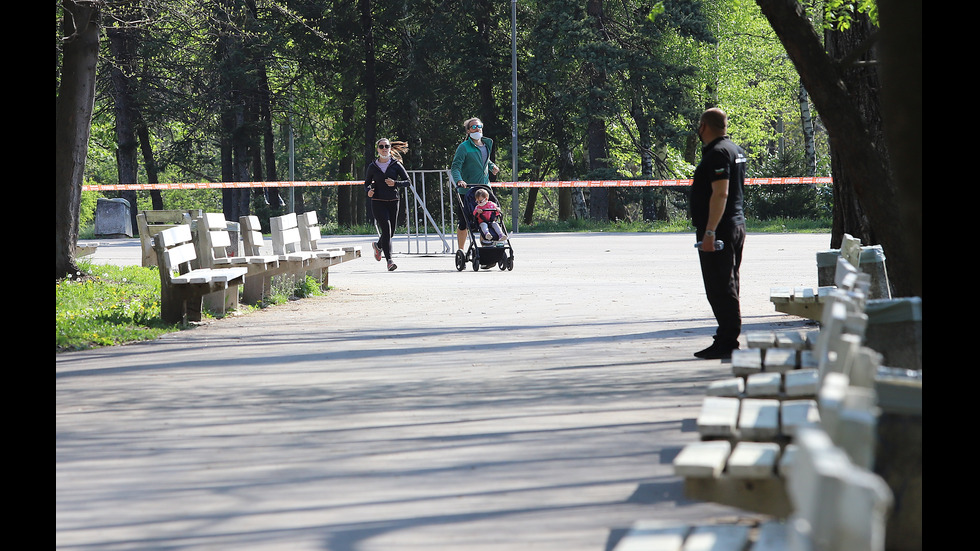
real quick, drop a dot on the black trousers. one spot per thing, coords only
(719, 270)
(385, 218)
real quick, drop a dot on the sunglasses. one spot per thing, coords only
(384, 147)
(476, 126)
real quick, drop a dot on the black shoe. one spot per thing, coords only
(715, 352)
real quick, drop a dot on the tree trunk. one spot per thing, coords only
(345, 211)
(123, 48)
(861, 83)
(532, 197)
(156, 198)
(370, 100)
(599, 200)
(234, 139)
(73, 118)
(850, 141)
(901, 106)
(566, 170)
(806, 120)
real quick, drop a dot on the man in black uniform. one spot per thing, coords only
(716, 212)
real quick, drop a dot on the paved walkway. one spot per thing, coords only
(422, 409)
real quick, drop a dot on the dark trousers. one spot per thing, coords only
(385, 218)
(719, 270)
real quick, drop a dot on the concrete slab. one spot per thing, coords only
(418, 409)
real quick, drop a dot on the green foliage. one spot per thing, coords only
(86, 211)
(768, 202)
(664, 61)
(309, 287)
(838, 14)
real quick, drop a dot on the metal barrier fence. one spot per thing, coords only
(419, 220)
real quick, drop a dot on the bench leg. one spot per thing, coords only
(320, 275)
(194, 305)
(256, 288)
(179, 306)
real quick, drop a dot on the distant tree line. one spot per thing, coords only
(192, 90)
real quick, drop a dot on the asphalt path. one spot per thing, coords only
(421, 409)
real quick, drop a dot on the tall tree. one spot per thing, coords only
(123, 45)
(850, 47)
(851, 143)
(233, 86)
(73, 117)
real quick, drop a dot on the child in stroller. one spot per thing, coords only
(487, 213)
(484, 252)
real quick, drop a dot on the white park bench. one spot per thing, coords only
(182, 287)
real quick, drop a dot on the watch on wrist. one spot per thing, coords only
(709, 232)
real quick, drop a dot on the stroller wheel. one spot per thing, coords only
(510, 263)
(476, 260)
(460, 261)
(502, 265)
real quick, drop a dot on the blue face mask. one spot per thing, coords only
(476, 135)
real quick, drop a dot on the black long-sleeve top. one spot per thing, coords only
(375, 179)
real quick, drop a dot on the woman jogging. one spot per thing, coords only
(382, 179)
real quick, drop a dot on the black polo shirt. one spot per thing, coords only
(721, 159)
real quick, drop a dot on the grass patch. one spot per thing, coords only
(105, 305)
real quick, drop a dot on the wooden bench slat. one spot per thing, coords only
(731, 387)
(181, 254)
(760, 339)
(746, 361)
(753, 460)
(780, 359)
(759, 419)
(800, 382)
(718, 417)
(705, 459)
(794, 340)
(764, 384)
(798, 413)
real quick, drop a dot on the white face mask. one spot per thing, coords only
(476, 135)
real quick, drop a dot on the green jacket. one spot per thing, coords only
(468, 164)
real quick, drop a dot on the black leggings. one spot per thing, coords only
(385, 220)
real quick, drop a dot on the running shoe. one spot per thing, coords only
(377, 251)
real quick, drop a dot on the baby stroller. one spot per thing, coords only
(482, 253)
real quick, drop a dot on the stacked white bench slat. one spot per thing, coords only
(779, 394)
(214, 241)
(807, 302)
(294, 243)
(182, 287)
(309, 231)
(151, 222)
(293, 262)
(833, 499)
